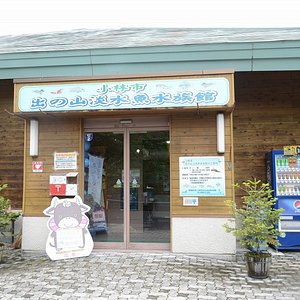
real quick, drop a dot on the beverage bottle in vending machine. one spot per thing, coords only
(286, 162)
(279, 162)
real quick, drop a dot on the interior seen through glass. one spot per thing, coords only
(148, 201)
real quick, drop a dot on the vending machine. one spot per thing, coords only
(283, 173)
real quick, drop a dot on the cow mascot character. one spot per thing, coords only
(69, 236)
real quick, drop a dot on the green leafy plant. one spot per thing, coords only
(256, 220)
(6, 216)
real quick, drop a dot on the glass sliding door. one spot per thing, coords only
(104, 160)
(127, 186)
(149, 187)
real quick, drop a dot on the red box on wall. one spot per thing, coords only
(63, 184)
(58, 189)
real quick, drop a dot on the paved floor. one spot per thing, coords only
(112, 275)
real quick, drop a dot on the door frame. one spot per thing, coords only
(138, 125)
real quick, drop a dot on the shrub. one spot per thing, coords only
(6, 215)
(257, 219)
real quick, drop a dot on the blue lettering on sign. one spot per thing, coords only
(183, 97)
(162, 98)
(58, 102)
(120, 88)
(119, 100)
(141, 99)
(103, 89)
(208, 96)
(38, 103)
(138, 87)
(100, 100)
(78, 101)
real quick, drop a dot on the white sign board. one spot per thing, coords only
(182, 92)
(65, 160)
(202, 176)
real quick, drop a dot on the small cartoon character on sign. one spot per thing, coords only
(68, 236)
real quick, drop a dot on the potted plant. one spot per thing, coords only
(256, 225)
(6, 217)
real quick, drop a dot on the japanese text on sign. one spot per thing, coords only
(202, 176)
(65, 160)
(191, 92)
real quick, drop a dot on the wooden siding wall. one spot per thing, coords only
(55, 134)
(195, 135)
(11, 146)
(266, 117)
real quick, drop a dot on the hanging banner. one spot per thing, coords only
(95, 177)
(202, 176)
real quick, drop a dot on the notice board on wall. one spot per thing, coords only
(202, 176)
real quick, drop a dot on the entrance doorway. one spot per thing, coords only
(127, 185)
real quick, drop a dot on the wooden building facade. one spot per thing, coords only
(265, 116)
(160, 210)
(12, 146)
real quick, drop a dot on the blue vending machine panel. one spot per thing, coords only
(283, 173)
(291, 206)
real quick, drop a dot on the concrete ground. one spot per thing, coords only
(116, 275)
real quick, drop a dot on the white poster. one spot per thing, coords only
(202, 176)
(95, 177)
(65, 161)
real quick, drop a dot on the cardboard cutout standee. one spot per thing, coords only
(69, 236)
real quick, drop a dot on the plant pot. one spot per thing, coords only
(258, 264)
